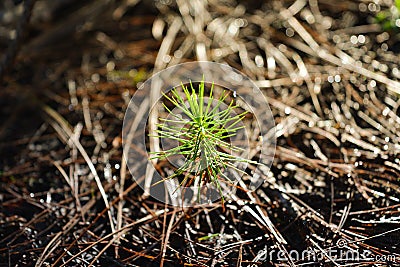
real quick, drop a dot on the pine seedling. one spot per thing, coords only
(200, 134)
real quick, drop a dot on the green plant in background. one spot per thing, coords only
(208, 237)
(133, 75)
(201, 136)
(389, 19)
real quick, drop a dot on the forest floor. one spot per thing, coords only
(329, 70)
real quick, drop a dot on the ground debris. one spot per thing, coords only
(330, 72)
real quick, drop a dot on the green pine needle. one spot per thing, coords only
(200, 136)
